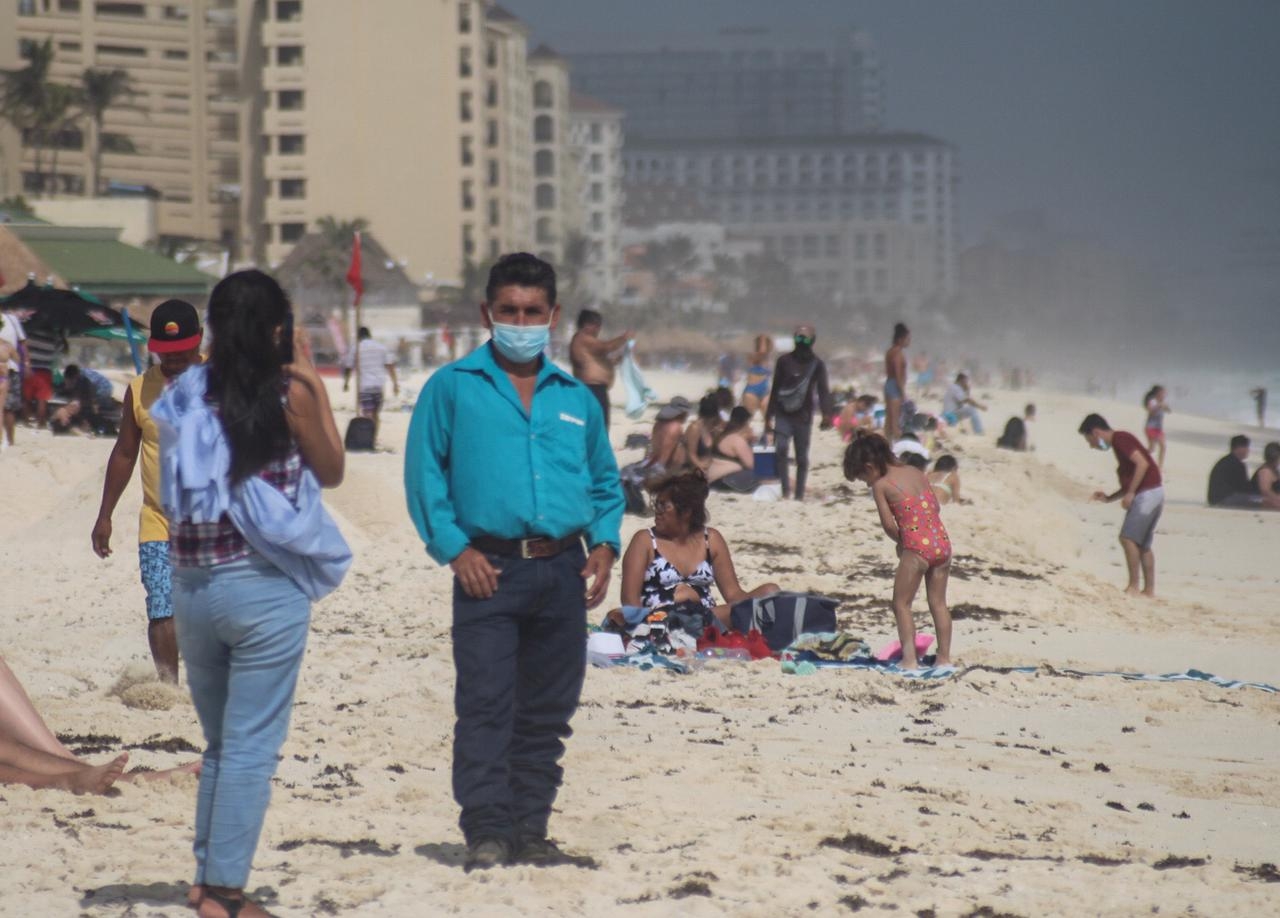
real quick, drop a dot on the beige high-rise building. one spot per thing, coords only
(360, 119)
(595, 140)
(181, 134)
(507, 147)
(10, 146)
(555, 178)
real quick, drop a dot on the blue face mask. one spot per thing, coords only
(520, 343)
(1101, 444)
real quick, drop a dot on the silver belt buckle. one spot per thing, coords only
(524, 549)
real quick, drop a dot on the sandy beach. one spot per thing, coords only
(737, 788)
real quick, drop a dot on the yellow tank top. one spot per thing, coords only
(143, 391)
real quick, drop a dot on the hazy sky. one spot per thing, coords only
(1153, 124)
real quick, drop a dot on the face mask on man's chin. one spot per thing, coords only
(1101, 444)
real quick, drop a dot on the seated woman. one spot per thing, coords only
(755, 397)
(680, 558)
(1266, 480)
(945, 479)
(666, 442)
(700, 435)
(732, 465)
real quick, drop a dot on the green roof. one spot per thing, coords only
(95, 260)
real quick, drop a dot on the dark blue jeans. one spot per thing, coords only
(520, 657)
(785, 430)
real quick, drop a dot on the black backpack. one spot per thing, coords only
(359, 437)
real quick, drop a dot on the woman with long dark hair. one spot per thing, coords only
(246, 442)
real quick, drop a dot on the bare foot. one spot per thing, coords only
(1131, 591)
(96, 779)
(1149, 594)
(210, 907)
(941, 661)
(190, 768)
(905, 663)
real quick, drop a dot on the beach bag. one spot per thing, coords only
(791, 399)
(783, 617)
(359, 437)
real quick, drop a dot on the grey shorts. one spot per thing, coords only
(1140, 521)
(892, 390)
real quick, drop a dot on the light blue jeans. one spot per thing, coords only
(242, 628)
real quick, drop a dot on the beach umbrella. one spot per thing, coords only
(63, 312)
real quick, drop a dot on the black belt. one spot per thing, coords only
(539, 547)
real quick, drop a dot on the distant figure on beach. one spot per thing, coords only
(945, 480)
(895, 381)
(1141, 493)
(1017, 431)
(13, 364)
(175, 340)
(1154, 402)
(959, 405)
(375, 365)
(595, 360)
(1266, 481)
(30, 754)
(89, 402)
(242, 589)
(680, 558)
(1229, 484)
(666, 441)
(508, 475)
(759, 374)
(789, 415)
(1259, 396)
(911, 519)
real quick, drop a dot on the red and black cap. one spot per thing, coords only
(175, 326)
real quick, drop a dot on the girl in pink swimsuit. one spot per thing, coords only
(910, 516)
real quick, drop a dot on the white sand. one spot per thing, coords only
(725, 783)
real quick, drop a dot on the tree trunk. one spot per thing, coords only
(95, 158)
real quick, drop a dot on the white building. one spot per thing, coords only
(810, 201)
(595, 142)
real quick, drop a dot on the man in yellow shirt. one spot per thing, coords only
(175, 340)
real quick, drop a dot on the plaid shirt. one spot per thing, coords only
(211, 544)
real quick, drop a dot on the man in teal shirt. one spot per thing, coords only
(508, 472)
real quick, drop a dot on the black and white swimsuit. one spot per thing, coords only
(661, 578)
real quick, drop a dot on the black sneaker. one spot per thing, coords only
(540, 851)
(484, 853)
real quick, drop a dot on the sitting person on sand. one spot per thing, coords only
(680, 557)
(910, 517)
(945, 479)
(666, 441)
(1229, 484)
(700, 435)
(1016, 434)
(732, 463)
(30, 754)
(1266, 481)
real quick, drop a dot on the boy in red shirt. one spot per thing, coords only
(1141, 494)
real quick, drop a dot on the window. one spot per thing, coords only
(597, 192)
(491, 94)
(468, 240)
(179, 13)
(288, 10)
(597, 221)
(491, 133)
(597, 163)
(464, 61)
(543, 129)
(543, 97)
(495, 214)
(289, 56)
(597, 135)
(544, 163)
(293, 188)
(26, 7)
(468, 156)
(292, 144)
(464, 107)
(68, 6)
(543, 231)
(292, 232)
(491, 54)
(493, 173)
(175, 54)
(464, 19)
(122, 50)
(290, 100)
(545, 197)
(72, 47)
(120, 9)
(468, 199)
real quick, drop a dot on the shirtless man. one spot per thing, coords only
(895, 381)
(594, 358)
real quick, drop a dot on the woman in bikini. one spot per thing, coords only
(755, 397)
(680, 558)
(700, 435)
(731, 453)
(945, 480)
(910, 517)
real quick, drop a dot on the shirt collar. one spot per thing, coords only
(482, 360)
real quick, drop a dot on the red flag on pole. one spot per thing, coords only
(354, 278)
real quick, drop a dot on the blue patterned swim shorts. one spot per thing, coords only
(153, 560)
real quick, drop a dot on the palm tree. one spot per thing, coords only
(101, 90)
(573, 266)
(24, 96)
(669, 260)
(58, 113)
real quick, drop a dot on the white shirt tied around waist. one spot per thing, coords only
(374, 360)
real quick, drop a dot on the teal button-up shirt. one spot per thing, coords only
(477, 464)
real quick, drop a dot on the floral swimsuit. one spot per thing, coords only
(920, 527)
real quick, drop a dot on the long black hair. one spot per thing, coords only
(868, 449)
(247, 310)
